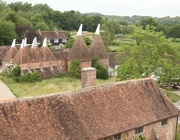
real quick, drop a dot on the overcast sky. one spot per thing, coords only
(155, 8)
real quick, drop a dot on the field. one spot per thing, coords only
(46, 86)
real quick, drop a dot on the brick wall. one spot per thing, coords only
(164, 132)
(88, 77)
(104, 61)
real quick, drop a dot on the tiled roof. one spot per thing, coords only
(10, 54)
(36, 55)
(3, 52)
(112, 59)
(51, 35)
(61, 55)
(22, 56)
(47, 54)
(87, 114)
(97, 47)
(79, 50)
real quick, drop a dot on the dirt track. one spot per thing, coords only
(5, 93)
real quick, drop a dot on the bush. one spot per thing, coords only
(29, 77)
(12, 70)
(75, 69)
(102, 70)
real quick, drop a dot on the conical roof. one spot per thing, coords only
(79, 49)
(35, 53)
(46, 52)
(22, 56)
(97, 47)
(11, 52)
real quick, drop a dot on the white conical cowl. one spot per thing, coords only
(32, 45)
(79, 33)
(13, 43)
(44, 43)
(25, 42)
(98, 30)
(35, 42)
(22, 44)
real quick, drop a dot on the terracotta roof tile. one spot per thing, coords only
(87, 114)
(22, 56)
(10, 54)
(3, 52)
(79, 50)
(97, 47)
(51, 35)
(47, 54)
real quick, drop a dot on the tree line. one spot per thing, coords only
(20, 20)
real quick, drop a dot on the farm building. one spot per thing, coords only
(51, 63)
(116, 111)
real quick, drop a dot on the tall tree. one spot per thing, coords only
(149, 21)
(7, 32)
(153, 54)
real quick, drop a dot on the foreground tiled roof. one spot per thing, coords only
(87, 114)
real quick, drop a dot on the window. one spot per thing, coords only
(138, 130)
(164, 122)
(56, 40)
(117, 137)
(63, 40)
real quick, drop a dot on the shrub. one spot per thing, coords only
(16, 71)
(29, 77)
(102, 70)
(75, 69)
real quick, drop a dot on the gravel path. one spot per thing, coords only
(5, 93)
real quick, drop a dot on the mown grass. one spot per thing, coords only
(46, 86)
(172, 96)
(117, 44)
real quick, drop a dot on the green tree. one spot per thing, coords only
(7, 32)
(153, 54)
(75, 69)
(69, 43)
(102, 70)
(174, 31)
(149, 21)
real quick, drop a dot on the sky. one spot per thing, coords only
(154, 8)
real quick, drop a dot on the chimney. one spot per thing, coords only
(88, 77)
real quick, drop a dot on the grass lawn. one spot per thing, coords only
(46, 86)
(55, 85)
(172, 96)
